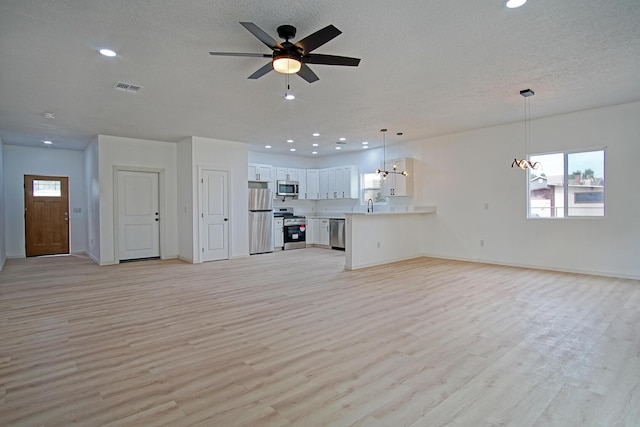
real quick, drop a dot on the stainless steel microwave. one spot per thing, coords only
(287, 188)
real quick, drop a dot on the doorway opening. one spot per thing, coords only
(46, 215)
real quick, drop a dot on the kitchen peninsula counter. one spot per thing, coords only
(374, 238)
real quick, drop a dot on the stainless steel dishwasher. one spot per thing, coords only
(336, 231)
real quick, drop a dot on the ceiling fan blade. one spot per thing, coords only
(331, 60)
(306, 73)
(248, 55)
(262, 71)
(317, 39)
(261, 35)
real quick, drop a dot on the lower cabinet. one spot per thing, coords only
(323, 232)
(312, 231)
(317, 231)
(278, 233)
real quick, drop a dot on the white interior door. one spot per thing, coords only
(214, 215)
(138, 215)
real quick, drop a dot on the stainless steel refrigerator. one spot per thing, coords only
(260, 220)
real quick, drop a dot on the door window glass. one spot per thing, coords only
(46, 188)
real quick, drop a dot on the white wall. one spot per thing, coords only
(464, 171)
(142, 155)
(230, 156)
(280, 160)
(186, 209)
(3, 251)
(19, 161)
(92, 183)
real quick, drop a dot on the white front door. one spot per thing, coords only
(138, 215)
(214, 215)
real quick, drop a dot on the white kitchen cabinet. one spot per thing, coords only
(332, 183)
(342, 182)
(278, 233)
(287, 174)
(397, 184)
(347, 182)
(312, 191)
(302, 185)
(313, 227)
(259, 172)
(323, 184)
(323, 232)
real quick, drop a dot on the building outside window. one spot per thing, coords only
(569, 184)
(371, 189)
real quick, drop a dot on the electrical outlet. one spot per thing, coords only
(481, 243)
(378, 245)
(486, 206)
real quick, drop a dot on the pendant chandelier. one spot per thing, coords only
(524, 163)
(394, 169)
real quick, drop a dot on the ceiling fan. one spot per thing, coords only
(292, 58)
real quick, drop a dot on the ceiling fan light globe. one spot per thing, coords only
(286, 65)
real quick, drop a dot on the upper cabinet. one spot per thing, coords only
(302, 184)
(323, 184)
(341, 182)
(259, 172)
(397, 184)
(312, 190)
(287, 174)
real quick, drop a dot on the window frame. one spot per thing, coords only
(363, 189)
(565, 185)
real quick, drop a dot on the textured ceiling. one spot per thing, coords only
(428, 68)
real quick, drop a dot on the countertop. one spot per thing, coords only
(418, 211)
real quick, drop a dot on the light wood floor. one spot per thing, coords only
(292, 339)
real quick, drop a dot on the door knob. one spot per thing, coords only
(226, 219)
(157, 219)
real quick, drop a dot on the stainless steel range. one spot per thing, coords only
(294, 228)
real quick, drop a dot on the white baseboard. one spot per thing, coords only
(541, 267)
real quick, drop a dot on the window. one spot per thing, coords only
(371, 189)
(46, 188)
(569, 184)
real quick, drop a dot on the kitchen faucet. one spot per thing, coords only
(369, 202)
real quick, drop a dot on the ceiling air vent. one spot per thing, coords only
(127, 87)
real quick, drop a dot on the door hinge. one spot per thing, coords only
(202, 249)
(201, 180)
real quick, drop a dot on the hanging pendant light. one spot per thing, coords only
(524, 163)
(394, 169)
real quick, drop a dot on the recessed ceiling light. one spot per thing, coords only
(314, 152)
(343, 138)
(47, 142)
(512, 4)
(107, 52)
(365, 142)
(289, 141)
(292, 149)
(267, 146)
(316, 134)
(48, 115)
(338, 148)
(315, 144)
(289, 96)
(365, 146)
